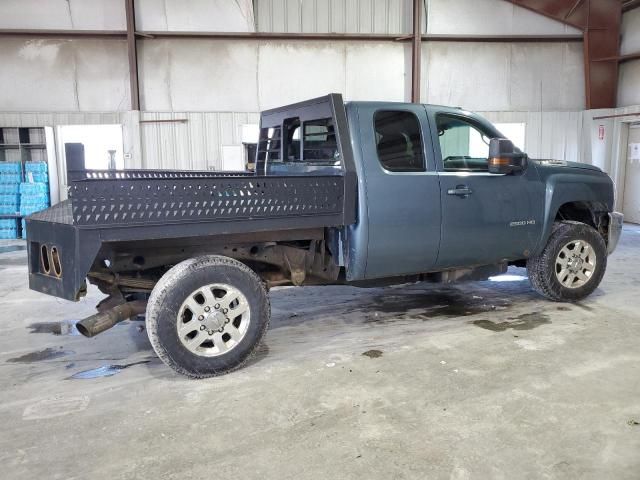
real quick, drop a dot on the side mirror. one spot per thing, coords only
(503, 158)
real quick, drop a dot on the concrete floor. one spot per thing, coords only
(479, 380)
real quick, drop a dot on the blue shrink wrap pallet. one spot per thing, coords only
(6, 234)
(35, 167)
(10, 167)
(34, 188)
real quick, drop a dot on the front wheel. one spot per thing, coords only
(571, 265)
(207, 315)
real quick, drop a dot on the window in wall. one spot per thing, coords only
(463, 144)
(399, 141)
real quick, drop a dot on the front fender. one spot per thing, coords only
(575, 186)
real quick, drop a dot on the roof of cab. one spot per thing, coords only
(378, 103)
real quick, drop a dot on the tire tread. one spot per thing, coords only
(542, 277)
(169, 280)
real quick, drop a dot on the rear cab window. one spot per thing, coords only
(300, 146)
(399, 141)
(320, 143)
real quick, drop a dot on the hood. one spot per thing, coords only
(563, 163)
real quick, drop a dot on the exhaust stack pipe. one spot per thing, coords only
(98, 323)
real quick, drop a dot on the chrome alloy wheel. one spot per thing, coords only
(213, 320)
(575, 264)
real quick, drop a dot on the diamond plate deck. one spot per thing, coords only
(59, 213)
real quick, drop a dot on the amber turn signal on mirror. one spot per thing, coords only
(499, 162)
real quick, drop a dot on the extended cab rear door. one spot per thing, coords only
(486, 218)
(400, 191)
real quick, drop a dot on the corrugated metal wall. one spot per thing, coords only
(193, 145)
(197, 143)
(51, 119)
(488, 17)
(556, 135)
(333, 16)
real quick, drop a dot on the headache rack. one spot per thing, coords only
(129, 205)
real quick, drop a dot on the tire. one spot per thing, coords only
(546, 270)
(181, 297)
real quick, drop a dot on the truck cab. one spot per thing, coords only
(430, 193)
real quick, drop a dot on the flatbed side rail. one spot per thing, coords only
(130, 174)
(118, 199)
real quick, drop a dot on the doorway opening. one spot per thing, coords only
(103, 148)
(631, 200)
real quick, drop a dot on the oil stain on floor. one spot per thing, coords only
(430, 304)
(373, 353)
(526, 321)
(104, 371)
(41, 355)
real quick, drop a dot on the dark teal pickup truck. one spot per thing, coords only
(359, 193)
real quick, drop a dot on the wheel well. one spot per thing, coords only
(590, 213)
(126, 269)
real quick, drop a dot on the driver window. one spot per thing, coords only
(464, 147)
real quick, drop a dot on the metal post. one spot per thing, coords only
(74, 158)
(416, 58)
(133, 55)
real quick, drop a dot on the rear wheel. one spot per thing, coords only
(571, 265)
(207, 315)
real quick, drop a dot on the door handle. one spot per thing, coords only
(460, 191)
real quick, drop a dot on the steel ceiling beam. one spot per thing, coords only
(630, 5)
(365, 37)
(51, 33)
(332, 37)
(621, 58)
(600, 22)
(355, 37)
(562, 38)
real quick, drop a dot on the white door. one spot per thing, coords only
(631, 205)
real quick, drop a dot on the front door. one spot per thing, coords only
(631, 203)
(402, 191)
(486, 218)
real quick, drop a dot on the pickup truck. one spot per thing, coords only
(356, 193)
